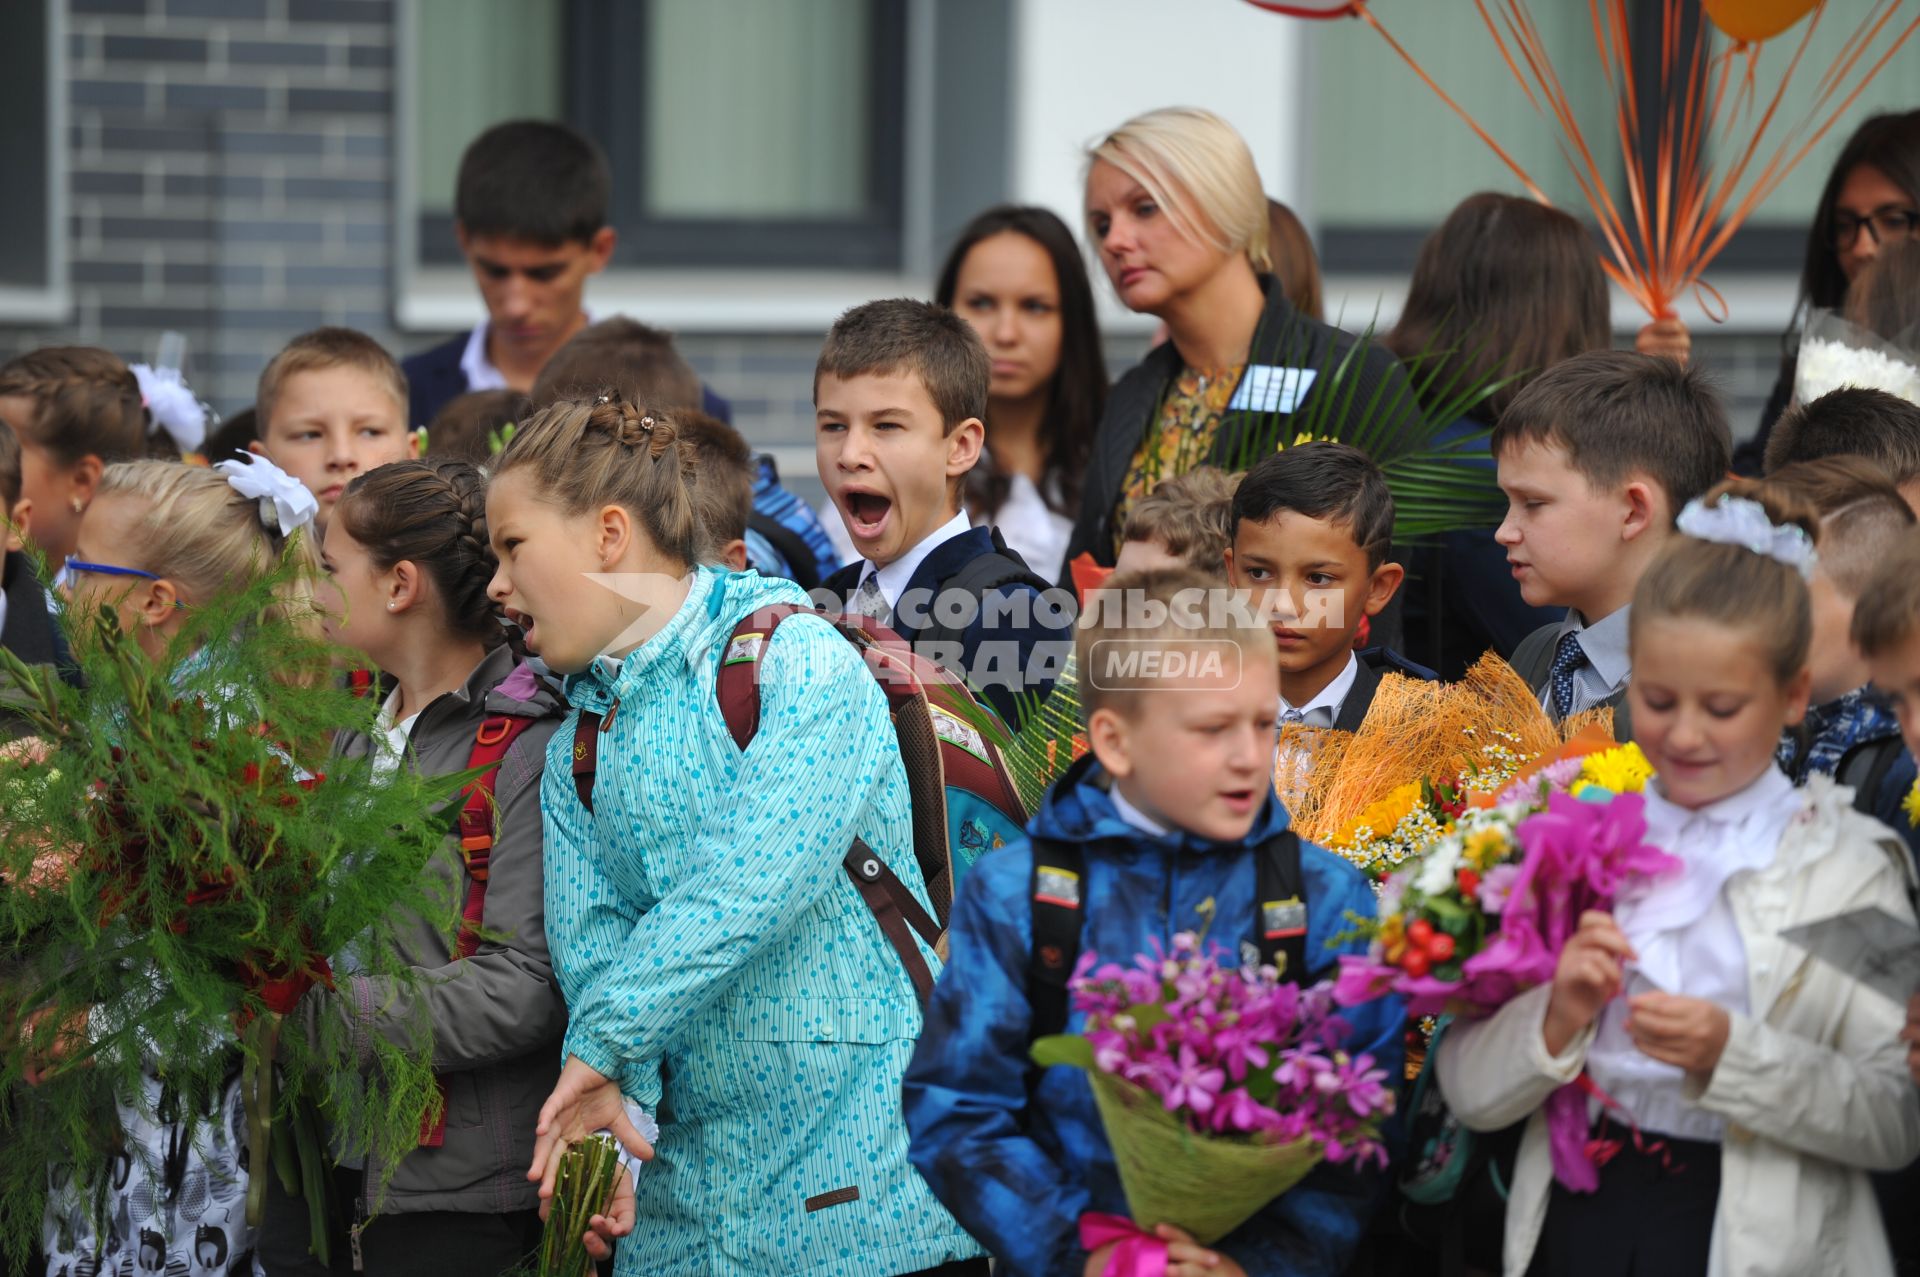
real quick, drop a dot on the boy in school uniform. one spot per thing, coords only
(783, 536)
(899, 393)
(1312, 526)
(1171, 823)
(1850, 731)
(1597, 457)
(530, 213)
(331, 406)
(1853, 421)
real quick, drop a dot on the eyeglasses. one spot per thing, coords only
(1882, 225)
(108, 569)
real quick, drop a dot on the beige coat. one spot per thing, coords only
(1813, 1085)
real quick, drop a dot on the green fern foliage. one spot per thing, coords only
(181, 856)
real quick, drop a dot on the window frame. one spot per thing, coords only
(946, 47)
(1771, 249)
(52, 300)
(601, 41)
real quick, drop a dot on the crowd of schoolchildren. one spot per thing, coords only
(545, 536)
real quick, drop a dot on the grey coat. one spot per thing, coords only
(497, 1017)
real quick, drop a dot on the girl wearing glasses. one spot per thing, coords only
(1871, 200)
(159, 538)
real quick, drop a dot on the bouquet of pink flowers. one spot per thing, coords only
(1501, 897)
(1477, 916)
(1219, 1087)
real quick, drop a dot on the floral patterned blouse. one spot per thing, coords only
(1179, 439)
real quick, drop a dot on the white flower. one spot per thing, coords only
(1438, 869)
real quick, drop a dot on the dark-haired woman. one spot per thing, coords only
(1016, 275)
(1871, 199)
(408, 556)
(1505, 289)
(1174, 206)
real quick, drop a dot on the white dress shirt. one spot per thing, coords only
(1133, 815)
(390, 746)
(895, 577)
(1330, 699)
(1687, 940)
(1031, 528)
(481, 374)
(1607, 667)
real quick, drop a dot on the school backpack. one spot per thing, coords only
(1450, 1200)
(982, 576)
(962, 797)
(1057, 883)
(491, 741)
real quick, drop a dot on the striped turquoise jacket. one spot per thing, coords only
(711, 949)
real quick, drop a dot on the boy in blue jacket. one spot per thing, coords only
(1170, 815)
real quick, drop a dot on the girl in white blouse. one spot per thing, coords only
(1753, 1086)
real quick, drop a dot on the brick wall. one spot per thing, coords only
(231, 174)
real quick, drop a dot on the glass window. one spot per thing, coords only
(32, 237)
(782, 150)
(1391, 160)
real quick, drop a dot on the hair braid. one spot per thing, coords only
(432, 514)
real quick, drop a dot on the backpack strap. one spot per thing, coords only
(587, 730)
(1865, 768)
(980, 577)
(737, 685)
(896, 910)
(792, 547)
(478, 819)
(1057, 892)
(899, 913)
(477, 825)
(1280, 925)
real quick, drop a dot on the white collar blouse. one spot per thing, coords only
(1687, 941)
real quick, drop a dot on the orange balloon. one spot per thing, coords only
(1756, 20)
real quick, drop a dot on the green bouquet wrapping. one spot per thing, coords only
(1219, 1088)
(1210, 1186)
(181, 859)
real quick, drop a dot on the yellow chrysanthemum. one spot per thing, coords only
(1911, 805)
(1382, 816)
(1621, 770)
(1485, 848)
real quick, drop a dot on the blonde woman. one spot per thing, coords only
(1175, 209)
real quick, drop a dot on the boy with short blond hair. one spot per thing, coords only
(331, 406)
(1185, 520)
(899, 394)
(1597, 456)
(1169, 824)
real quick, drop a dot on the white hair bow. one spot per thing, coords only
(285, 503)
(173, 405)
(1742, 521)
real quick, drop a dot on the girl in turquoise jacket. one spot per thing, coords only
(710, 947)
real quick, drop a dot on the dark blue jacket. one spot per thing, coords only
(1018, 1166)
(1009, 654)
(434, 376)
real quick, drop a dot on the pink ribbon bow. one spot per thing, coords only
(1136, 1252)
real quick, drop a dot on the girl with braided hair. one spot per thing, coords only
(711, 947)
(407, 555)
